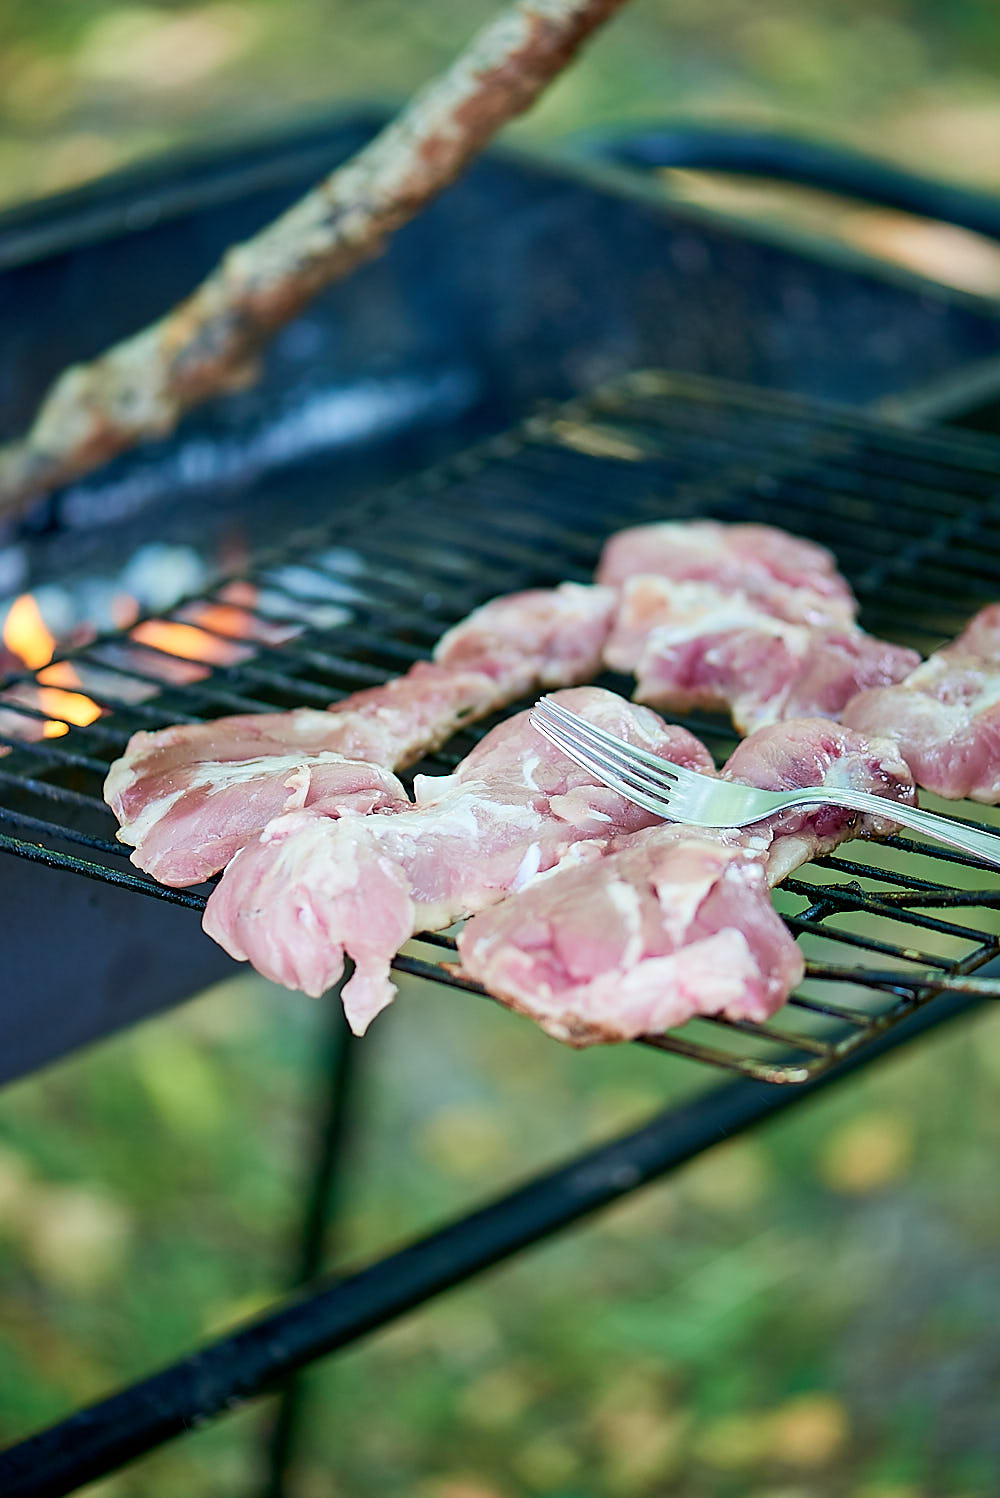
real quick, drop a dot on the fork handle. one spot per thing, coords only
(974, 840)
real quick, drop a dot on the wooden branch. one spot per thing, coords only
(209, 343)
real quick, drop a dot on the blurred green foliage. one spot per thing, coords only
(809, 1310)
(85, 87)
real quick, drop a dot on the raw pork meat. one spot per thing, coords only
(190, 832)
(945, 716)
(691, 645)
(309, 889)
(813, 751)
(170, 789)
(677, 921)
(798, 578)
(189, 797)
(551, 637)
(669, 923)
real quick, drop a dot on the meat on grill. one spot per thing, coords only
(677, 921)
(812, 752)
(945, 716)
(189, 797)
(186, 835)
(748, 639)
(799, 578)
(309, 890)
(549, 637)
(669, 923)
(694, 645)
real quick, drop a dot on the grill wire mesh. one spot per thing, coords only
(911, 517)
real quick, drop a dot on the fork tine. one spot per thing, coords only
(658, 804)
(609, 761)
(555, 712)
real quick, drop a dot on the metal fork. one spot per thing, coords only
(680, 795)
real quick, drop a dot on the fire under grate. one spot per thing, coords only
(911, 516)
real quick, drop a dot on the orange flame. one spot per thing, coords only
(26, 634)
(188, 641)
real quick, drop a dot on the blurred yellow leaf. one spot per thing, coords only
(77, 1237)
(643, 1447)
(36, 88)
(547, 1461)
(616, 1109)
(460, 1486)
(868, 1153)
(108, 1487)
(731, 1178)
(496, 1399)
(809, 1431)
(465, 1139)
(17, 1188)
(142, 47)
(243, 1308)
(945, 252)
(732, 1442)
(76, 157)
(230, 1008)
(651, 1211)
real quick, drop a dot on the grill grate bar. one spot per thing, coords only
(67, 834)
(828, 1010)
(872, 871)
(52, 858)
(803, 925)
(52, 792)
(61, 757)
(859, 900)
(787, 1038)
(986, 988)
(761, 475)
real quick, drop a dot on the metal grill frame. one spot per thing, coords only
(335, 1312)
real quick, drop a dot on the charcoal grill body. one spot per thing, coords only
(526, 282)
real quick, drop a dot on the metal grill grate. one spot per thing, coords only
(910, 515)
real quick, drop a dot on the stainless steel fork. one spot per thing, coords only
(680, 795)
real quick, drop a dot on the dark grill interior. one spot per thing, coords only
(910, 515)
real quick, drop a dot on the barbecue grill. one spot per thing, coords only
(897, 934)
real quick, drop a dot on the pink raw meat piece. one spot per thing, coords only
(669, 923)
(550, 637)
(309, 890)
(813, 752)
(171, 789)
(677, 921)
(189, 797)
(945, 716)
(790, 577)
(190, 833)
(694, 646)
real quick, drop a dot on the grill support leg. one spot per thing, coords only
(321, 1209)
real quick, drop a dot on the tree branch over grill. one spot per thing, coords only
(209, 343)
